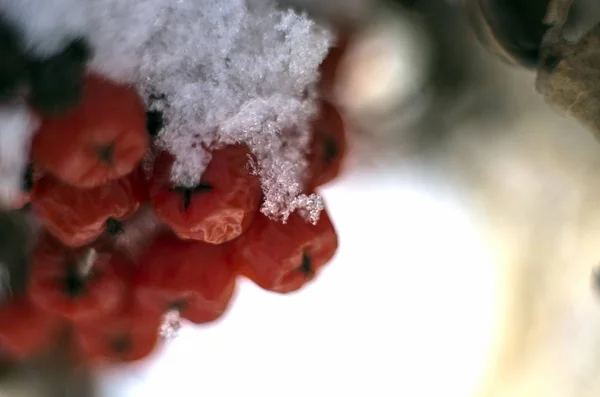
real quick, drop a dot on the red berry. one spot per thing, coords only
(219, 209)
(328, 147)
(25, 330)
(283, 257)
(129, 335)
(329, 67)
(78, 216)
(192, 277)
(102, 139)
(79, 284)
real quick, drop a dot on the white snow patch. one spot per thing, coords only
(47, 26)
(222, 71)
(17, 125)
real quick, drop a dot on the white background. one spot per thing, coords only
(405, 309)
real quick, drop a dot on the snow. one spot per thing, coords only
(227, 71)
(17, 125)
(46, 26)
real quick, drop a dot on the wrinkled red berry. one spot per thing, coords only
(79, 284)
(219, 209)
(26, 330)
(192, 277)
(283, 257)
(102, 139)
(130, 334)
(78, 216)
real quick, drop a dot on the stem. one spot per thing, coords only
(187, 193)
(113, 227)
(306, 267)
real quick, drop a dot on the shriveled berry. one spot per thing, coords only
(78, 284)
(78, 216)
(25, 330)
(284, 257)
(103, 139)
(129, 335)
(192, 277)
(57, 82)
(218, 209)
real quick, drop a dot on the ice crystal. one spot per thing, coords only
(170, 326)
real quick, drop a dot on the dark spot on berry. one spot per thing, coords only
(154, 122)
(121, 344)
(306, 267)
(330, 150)
(187, 193)
(57, 83)
(28, 179)
(106, 153)
(113, 227)
(550, 63)
(74, 284)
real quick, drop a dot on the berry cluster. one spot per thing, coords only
(94, 168)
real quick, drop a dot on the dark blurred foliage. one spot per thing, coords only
(512, 29)
(54, 373)
(15, 244)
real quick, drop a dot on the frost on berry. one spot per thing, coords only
(170, 325)
(568, 74)
(17, 125)
(308, 206)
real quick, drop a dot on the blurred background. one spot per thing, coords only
(469, 232)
